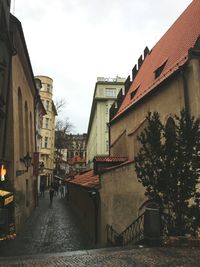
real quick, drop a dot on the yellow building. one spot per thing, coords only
(106, 91)
(48, 129)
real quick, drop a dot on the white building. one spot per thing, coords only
(105, 92)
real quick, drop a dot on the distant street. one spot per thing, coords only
(48, 230)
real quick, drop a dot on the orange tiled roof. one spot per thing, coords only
(87, 179)
(172, 48)
(110, 159)
(76, 159)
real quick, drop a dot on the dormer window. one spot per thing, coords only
(132, 94)
(159, 70)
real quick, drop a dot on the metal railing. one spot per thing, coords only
(113, 238)
(134, 233)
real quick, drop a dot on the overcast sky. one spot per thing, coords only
(75, 41)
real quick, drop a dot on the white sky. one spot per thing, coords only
(75, 41)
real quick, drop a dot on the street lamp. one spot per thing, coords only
(27, 160)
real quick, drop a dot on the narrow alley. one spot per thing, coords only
(50, 229)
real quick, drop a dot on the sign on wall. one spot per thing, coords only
(2, 173)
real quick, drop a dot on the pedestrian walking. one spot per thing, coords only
(51, 193)
(62, 195)
(56, 187)
(42, 189)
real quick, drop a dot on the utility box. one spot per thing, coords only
(152, 225)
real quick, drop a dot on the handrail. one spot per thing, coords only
(133, 233)
(113, 237)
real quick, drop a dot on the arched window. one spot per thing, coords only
(170, 132)
(31, 133)
(26, 127)
(20, 124)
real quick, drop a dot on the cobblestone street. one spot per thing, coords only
(49, 229)
(113, 257)
(53, 237)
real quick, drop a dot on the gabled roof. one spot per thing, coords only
(87, 179)
(166, 57)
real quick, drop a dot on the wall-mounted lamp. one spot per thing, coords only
(27, 161)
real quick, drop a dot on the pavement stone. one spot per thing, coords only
(115, 257)
(50, 229)
(53, 236)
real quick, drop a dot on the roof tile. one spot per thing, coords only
(87, 179)
(173, 47)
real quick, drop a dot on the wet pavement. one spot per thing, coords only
(53, 237)
(50, 229)
(113, 257)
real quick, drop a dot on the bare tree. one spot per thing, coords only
(63, 127)
(60, 104)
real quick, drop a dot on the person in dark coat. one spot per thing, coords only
(51, 193)
(42, 189)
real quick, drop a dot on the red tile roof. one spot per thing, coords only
(110, 159)
(172, 48)
(87, 179)
(76, 159)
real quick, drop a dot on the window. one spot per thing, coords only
(134, 92)
(26, 127)
(47, 123)
(159, 70)
(47, 105)
(170, 133)
(46, 142)
(20, 124)
(31, 133)
(48, 87)
(111, 92)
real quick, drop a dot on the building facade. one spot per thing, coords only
(106, 91)
(48, 130)
(6, 52)
(20, 142)
(166, 80)
(70, 158)
(39, 113)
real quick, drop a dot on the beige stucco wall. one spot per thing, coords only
(21, 182)
(121, 196)
(168, 101)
